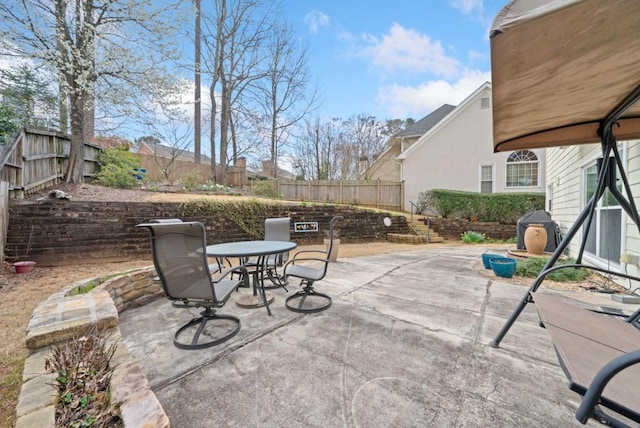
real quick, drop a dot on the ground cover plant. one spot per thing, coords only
(472, 237)
(530, 268)
(83, 373)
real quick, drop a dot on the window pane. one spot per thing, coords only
(522, 174)
(610, 226)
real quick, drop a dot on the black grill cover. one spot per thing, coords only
(539, 217)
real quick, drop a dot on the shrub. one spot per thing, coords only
(471, 237)
(505, 208)
(84, 374)
(530, 268)
(266, 188)
(190, 181)
(117, 168)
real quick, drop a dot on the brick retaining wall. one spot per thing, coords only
(66, 232)
(452, 228)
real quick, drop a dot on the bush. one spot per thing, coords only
(505, 208)
(84, 375)
(471, 237)
(530, 268)
(117, 168)
(266, 188)
(190, 181)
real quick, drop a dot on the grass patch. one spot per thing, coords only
(530, 268)
(10, 383)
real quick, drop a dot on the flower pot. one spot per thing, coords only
(24, 267)
(486, 258)
(535, 238)
(503, 266)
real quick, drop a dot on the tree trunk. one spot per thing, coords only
(212, 137)
(197, 104)
(224, 131)
(75, 167)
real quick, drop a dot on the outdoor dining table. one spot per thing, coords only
(245, 249)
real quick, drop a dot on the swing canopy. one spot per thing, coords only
(560, 68)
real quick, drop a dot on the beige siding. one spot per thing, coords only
(564, 173)
(385, 167)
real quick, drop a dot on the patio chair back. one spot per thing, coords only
(277, 229)
(180, 260)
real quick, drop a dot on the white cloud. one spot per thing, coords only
(418, 101)
(402, 50)
(315, 20)
(468, 6)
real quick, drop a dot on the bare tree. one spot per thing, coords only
(315, 150)
(282, 93)
(236, 32)
(115, 44)
(366, 134)
(170, 140)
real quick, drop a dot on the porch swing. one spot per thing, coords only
(566, 72)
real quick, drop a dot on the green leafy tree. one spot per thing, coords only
(7, 122)
(26, 93)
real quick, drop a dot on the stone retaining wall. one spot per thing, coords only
(65, 315)
(55, 232)
(453, 228)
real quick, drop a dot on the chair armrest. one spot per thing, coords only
(599, 382)
(304, 259)
(308, 251)
(233, 269)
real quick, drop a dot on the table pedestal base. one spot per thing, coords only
(251, 301)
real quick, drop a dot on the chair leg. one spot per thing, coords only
(207, 315)
(296, 302)
(276, 279)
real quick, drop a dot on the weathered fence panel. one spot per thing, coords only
(4, 216)
(373, 193)
(37, 159)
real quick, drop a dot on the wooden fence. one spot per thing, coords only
(38, 158)
(381, 194)
(157, 167)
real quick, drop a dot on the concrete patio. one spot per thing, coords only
(405, 344)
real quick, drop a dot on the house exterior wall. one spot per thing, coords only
(451, 154)
(385, 167)
(565, 180)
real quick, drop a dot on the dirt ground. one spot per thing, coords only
(19, 294)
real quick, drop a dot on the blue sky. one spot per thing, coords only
(394, 59)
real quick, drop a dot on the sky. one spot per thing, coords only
(394, 59)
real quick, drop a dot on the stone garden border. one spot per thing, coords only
(67, 314)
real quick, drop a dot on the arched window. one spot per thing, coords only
(522, 169)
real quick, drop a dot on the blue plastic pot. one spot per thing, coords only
(486, 258)
(503, 266)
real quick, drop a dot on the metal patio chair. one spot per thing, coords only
(275, 229)
(308, 300)
(180, 259)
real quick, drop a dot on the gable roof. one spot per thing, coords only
(173, 152)
(426, 123)
(486, 86)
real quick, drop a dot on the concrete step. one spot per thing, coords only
(413, 239)
(420, 229)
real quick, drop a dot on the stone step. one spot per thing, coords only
(412, 239)
(421, 229)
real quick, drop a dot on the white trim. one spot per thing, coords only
(493, 176)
